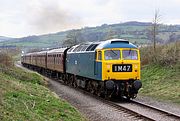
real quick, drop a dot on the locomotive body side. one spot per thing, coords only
(81, 64)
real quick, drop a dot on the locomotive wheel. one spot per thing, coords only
(91, 87)
(71, 80)
(99, 90)
(88, 86)
(128, 98)
(74, 81)
(108, 94)
(107, 97)
(99, 93)
(66, 79)
(92, 91)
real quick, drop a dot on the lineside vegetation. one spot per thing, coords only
(161, 76)
(24, 96)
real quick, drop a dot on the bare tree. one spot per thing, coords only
(155, 26)
(72, 38)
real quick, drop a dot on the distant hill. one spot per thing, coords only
(2, 38)
(138, 32)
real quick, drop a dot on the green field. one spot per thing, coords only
(162, 83)
(25, 97)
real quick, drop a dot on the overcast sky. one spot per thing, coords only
(20, 18)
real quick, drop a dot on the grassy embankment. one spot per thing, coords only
(24, 96)
(161, 78)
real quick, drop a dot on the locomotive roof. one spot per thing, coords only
(115, 43)
(92, 46)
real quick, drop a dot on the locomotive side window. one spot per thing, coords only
(79, 48)
(93, 47)
(75, 49)
(84, 47)
(70, 49)
(88, 49)
(130, 55)
(99, 55)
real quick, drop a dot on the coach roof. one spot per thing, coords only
(56, 50)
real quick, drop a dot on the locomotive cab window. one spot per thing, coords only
(99, 55)
(130, 54)
(112, 54)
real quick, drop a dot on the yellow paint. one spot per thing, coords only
(107, 73)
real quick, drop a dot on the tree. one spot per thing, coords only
(155, 26)
(72, 38)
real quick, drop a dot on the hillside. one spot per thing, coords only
(2, 38)
(25, 97)
(138, 32)
(161, 82)
(161, 77)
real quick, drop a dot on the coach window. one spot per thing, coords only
(99, 55)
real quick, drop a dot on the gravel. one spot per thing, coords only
(91, 108)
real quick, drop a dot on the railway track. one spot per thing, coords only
(171, 115)
(124, 110)
(130, 112)
(155, 114)
(121, 109)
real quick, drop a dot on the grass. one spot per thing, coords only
(24, 96)
(162, 83)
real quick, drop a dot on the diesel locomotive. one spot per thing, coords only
(106, 68)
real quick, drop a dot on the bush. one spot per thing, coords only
(6, 59)
(165, 54)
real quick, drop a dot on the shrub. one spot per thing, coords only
(6, 59)
(168, 54)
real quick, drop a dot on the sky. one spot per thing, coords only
(20, 18)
